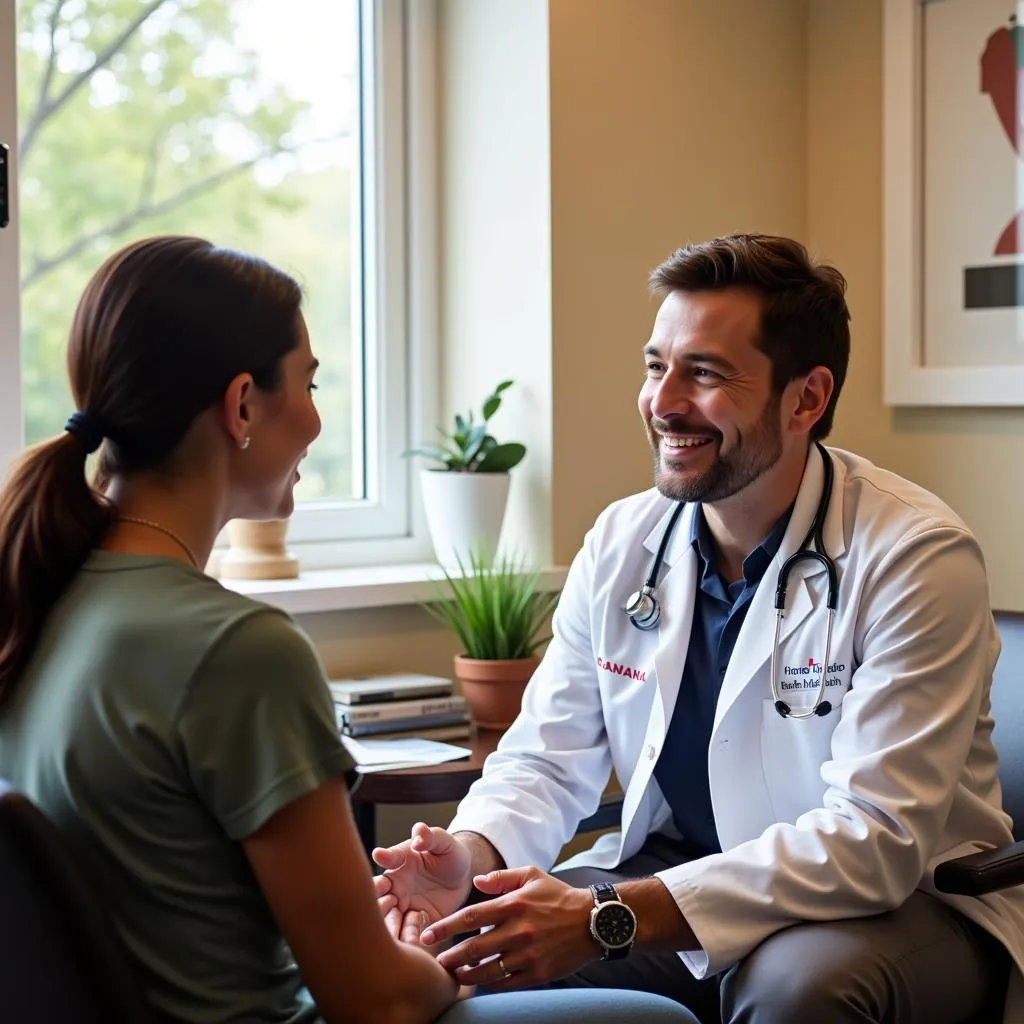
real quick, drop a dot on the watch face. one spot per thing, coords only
(614, 925)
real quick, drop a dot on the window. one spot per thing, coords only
(281, 135)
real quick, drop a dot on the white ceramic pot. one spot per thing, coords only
(464, 513)
(257, 551)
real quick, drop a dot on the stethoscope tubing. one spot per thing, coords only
(644, 608)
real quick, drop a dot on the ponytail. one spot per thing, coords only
(50, 520)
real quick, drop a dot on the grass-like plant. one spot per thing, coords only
(495, 608)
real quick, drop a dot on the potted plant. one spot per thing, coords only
(500, 615)
(466, 490)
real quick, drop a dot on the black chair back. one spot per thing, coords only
(60, 957)
(1008, 709)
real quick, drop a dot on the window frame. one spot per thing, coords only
(11, 428)
(397, 189)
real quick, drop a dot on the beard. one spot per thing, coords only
(755, 453)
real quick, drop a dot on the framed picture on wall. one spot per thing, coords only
(953, 260)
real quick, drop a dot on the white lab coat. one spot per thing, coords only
(820, 819)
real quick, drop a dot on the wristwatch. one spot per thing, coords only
(612, 923)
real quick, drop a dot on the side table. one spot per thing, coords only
(433, 783)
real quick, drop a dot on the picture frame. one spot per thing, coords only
(917, 301)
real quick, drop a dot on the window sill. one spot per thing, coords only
(334, 590)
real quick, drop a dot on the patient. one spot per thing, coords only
(179, 734)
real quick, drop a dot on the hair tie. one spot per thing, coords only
(86, 429)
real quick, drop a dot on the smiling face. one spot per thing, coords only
(712, 417)
(285, 423)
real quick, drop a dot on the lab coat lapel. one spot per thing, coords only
(676, 593)
(755, 642)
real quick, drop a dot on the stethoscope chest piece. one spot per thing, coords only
(643, 609)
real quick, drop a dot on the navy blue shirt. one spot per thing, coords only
(719, 609)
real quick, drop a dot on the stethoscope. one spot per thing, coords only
(644, 609)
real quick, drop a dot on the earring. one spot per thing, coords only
(245, 443)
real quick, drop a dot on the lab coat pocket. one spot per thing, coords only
(792, 753)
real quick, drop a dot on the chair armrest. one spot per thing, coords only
(981, 873)
(607, 815)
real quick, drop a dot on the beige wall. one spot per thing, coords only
(581, 141)
(970, 457)
(671, 121)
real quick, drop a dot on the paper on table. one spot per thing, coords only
(407, 752)
(393, 766)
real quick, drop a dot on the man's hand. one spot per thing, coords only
(539, 931)
(425, 879)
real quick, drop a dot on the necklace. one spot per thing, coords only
(162, 529)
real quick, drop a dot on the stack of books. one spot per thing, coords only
(396, 705)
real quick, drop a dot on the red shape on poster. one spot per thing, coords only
(1002, 78)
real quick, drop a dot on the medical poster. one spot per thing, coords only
(971, 179)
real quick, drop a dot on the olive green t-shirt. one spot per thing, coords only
(162, 720)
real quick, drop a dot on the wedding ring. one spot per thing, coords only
(505, 972)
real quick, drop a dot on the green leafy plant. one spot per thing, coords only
(495, 608)
(470, 448)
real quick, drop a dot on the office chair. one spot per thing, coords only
(61, 958)
(981, 873)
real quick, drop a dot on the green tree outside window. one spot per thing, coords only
(139, 117)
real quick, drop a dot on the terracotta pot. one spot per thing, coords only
(494, 689)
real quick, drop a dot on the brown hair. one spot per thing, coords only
(162, 328)
(805, 321)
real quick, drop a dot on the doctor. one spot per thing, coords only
(787, 795)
